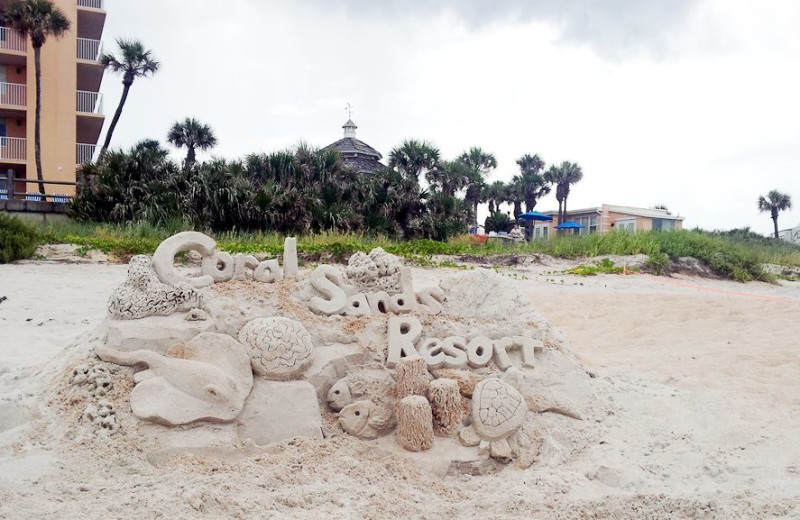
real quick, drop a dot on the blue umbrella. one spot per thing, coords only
(534, 215)
(569, 224)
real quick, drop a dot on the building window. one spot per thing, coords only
(663, 224)
(589, 224)
(542, 232)
(628, 225)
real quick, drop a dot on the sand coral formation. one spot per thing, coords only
(144, 295)
(280, 348)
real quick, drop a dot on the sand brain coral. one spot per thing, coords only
(378, 271)
(279, 348)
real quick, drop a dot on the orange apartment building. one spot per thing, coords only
(72, 114)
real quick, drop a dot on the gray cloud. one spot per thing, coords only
(614, 29)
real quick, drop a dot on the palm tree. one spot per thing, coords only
(515, 194)
(37, 19)
(480, 163)
(774, 202)
(447, 177)
(563, 176)
(496, 193)
(192, 134)
(532, 183)
(414, 158)
(134, 62)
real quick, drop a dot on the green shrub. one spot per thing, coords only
(17, 239)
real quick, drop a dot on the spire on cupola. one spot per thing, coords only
(349, 126)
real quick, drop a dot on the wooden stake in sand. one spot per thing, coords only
(414, 423)
(412, 377)
(445, 400)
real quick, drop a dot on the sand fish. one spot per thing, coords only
(362, 385)
(364, 419)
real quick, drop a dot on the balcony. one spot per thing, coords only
(13, 149)
(14, 95)
(91, 19)
(90, 72)
(90, 102)
(13, 48)
(84, 153)
(89, 50)
(11, 40)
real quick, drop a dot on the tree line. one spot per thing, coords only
(305, 189)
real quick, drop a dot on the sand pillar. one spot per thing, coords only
(290, 257)
(412, 377)
(445, 399)
(414, 423)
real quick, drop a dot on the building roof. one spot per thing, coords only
(356, 153)
(350, 145)
(625, 210)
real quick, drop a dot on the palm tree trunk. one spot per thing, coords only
(113, 125)
(190, 157)
(37, 133)
(560, 214)
(775, 222)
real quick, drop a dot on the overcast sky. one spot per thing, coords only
(694, 104)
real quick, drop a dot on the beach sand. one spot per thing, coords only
(695, 414)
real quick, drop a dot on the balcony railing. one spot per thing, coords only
(13, 149)
(11, 40)
(90, 102)
(89, 49)
(13, 94)
(84, 153)
(94, 4)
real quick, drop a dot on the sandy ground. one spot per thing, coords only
(697, 416)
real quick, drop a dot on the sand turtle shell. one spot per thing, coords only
(497, 409)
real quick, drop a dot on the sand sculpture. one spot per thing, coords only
(454, 352)
(219, 266)
(414, 423)
(498, 410)
(144, 295)
(280, 348)
(465, 381)
(365, 419)
(336, 297)
(97, 379)
(209, 382)
(445, 399)
(376, 271)
(412, 377)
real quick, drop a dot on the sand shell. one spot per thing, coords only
(279, 348)
(497, 409)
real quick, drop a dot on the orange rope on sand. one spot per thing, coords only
(767, 297)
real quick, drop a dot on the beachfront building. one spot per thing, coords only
(790, 235)
(609, 217)
(71, 116)
(356, 153)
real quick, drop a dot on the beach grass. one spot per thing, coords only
(737, 257)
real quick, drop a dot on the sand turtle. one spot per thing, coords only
(498, 410)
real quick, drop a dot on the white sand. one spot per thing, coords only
(696, 415)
